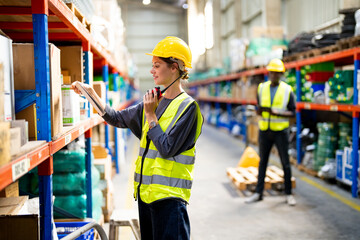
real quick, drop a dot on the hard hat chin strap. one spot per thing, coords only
(162, 91)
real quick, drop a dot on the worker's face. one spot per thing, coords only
(161, 71)
(275, 76)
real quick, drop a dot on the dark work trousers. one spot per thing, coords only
(266, 140)
(164, 220)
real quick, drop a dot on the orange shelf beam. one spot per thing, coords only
(228, 100)
(328, 107)
(13, 170)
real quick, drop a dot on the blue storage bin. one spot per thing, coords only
(65, 228)
(339, 164)
(318, 87)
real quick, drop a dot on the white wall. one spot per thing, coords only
(145, 27)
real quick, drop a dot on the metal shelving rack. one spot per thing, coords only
(343, 57)
(51, 20)
(228, 101)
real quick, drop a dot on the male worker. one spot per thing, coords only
(276, 104)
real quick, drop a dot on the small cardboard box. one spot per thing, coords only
(24, 79)
(100, 89)
(71, 106)
(29, 114)
(23, 125)
(4, 143)
(72, 62)
(19, 227)
(10, 191)
(15, 140)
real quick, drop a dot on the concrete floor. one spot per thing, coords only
(217, 210)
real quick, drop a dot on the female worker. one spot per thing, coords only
(168, 128)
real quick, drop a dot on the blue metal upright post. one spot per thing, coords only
(105, 76)
(43, 115)
(298, 117)
(355, 134)
(88, 145)
(217, 104)
(116, 130)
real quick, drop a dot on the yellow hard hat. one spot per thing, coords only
(276, 65)
(173, 47)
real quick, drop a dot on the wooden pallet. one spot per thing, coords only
(312, 53)
(246, 178)
(79, 16)
(307, 170)
(348, 42)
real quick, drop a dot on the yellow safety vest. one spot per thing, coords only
(166, 177)
(280, 102)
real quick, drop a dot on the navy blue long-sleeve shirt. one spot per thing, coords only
(180, 138)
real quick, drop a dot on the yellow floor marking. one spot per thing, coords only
(332, 193)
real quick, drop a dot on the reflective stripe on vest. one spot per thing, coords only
(166, 177)
(280, 102)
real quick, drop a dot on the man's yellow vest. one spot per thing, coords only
(280, 102)
(166, 177)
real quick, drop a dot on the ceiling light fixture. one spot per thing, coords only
(146, 2)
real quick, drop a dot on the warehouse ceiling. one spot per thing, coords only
(158, 3)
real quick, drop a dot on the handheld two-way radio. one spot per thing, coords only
(161, 92)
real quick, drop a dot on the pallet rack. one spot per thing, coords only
(228, 101)
(39, 21)
(340, 58)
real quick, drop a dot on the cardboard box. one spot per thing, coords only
(27, 224)
(10, 191)
(12, 205)
(15, 140)
(24, 79)
(23, 125)
(100, 89)
(104, 167)
(274, 32)
(29, 114)
(4, 143)
(71, 106)
(99, 152)
(6, 79)
(72, 62)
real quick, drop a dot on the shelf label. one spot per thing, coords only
(334, 108)
(81, 130)
(67, 139)
(20, 168)
(307, 106)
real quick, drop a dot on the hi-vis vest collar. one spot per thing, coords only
(166, 177)
(280, 102)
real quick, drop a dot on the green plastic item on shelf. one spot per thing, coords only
(76, 204)
(69, 161)
(69, 183)
(320, 67)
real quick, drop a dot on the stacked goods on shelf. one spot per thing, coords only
(102, 161)
(266, 44)
(326, 144)
(344, 163)
(238, 48)
(69, 185)
(6, 79)
(24, 79)
(348, 23)
(313, 78)
(345, 136)
(342, 87)
(316, 75)
(71, 106)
